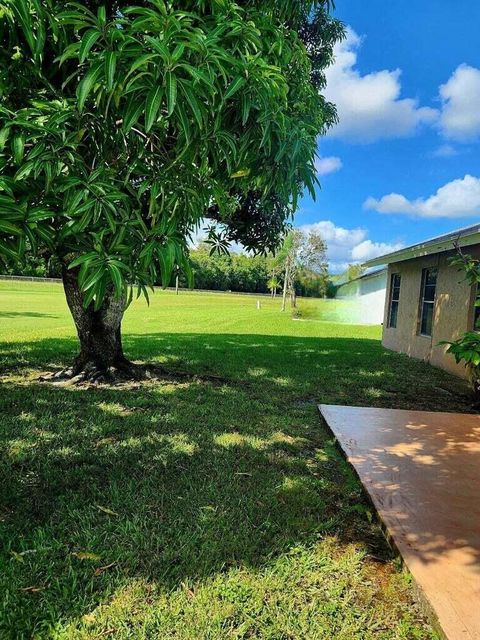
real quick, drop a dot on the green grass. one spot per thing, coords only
(208, 508)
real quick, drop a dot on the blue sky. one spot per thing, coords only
(403, 164)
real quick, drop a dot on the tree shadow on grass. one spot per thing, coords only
(326, 369)
(174, 482)
(26, 314)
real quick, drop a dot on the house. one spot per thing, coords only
(428, 300)
(367, 294)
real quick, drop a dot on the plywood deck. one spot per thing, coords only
(422, 471)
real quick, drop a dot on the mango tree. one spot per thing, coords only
(124, 126)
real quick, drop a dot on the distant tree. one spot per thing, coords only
(124, 124)
(313, 261)
(354, 271)
(228, 272)
(286, 260)
(310, 284)
(302, 254)
(34, 266)
(273, 283)
(331, 291)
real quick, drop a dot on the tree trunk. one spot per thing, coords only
(286, 282)
(293, 297)
(99, 331)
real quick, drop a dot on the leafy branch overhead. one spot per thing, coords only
(123, 126)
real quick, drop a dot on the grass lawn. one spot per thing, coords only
(197, 508)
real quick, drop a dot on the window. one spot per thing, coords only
(394, 300)
(476, 310)
(427, 303)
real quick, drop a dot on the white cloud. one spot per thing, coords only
(457, 199)
(369, 106)
(326, 165)
(460, 96)
(444, 151)
(367, 250)
(347, 246)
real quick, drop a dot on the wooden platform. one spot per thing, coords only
(422, 472)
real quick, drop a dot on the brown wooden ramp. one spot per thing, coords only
(422, 471)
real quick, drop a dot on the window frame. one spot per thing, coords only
(394, 300)
(424, 301)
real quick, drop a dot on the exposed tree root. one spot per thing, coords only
(91, 372)
(122, 372)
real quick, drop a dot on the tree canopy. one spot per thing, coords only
(123, 126)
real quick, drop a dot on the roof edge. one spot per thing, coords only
(435, 245)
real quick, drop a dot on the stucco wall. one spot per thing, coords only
(453, 312)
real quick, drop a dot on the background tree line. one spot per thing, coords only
(219, 272)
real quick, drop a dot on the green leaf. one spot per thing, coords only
(100, 291)
(117, 278)
(6, 185)
(38, 214)
(184, 122)
(93, 279)
(241, 173)
(88, 298)
(152, 106)
(10, 228)
(18, 147)
(143, 289)
(88, 40)
(234, 87)
(187, 268)
(110, 67)
(193, 103)
(132, 114)
(166, 256)
(7, 250)
(24, 171)
(246, 106)
(22, 9)
(178, 52)
(84, 258)
(171, 92)
(159, 46)
(102, 16)
(4, 133)
(86, 85)
(142, 61)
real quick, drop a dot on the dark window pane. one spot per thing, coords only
(394, 298)
(427, 319)
(430, 277)
(476, 311)
(429, 293)
(476, 319)
(427, 306)
(393, 314)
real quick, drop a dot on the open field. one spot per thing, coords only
(205, 507)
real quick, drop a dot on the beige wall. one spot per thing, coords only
(453, 313)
